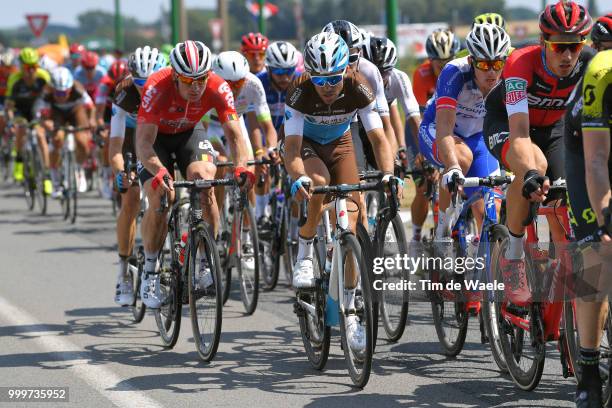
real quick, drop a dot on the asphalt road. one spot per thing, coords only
(60, 327)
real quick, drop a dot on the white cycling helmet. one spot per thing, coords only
(146, 60)
(7, 58)
(326, 53)
(349, 32)
(383, 53)
(61, 79)
(231, 66)
(488, 42)
(281, 54)
(442, 44)
(191, 59)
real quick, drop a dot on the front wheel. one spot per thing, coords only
(168, 316)
(248, 260)
(138, 308)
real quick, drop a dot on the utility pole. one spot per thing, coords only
(223, 15)
(118, 26)
(262, 18)
(177, 16)
(392, 20)
(183, 23)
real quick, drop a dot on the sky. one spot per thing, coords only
(66, 11)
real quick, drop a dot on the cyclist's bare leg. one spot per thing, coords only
(126, 221)
(44, 147)
(318, 173)
(154, 226)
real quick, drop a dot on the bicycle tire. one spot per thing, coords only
(269, 252)
(249, 282)
(349, 246)
(497, 234)
(290, 249)
(393, 329)
(169, 323)
(226, 236)
(367, 246)
(512, 338)
(39, 174)
(28, 180)
(206, 346)
(138, 307)
(73, 189)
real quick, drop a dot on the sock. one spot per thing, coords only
(294, 228)
(440, 226)
(416, 232)
(305, 248)
(123, 267)
(515, 247)
(260, 205)
(150, 265)
(589, 362)
(349, 299)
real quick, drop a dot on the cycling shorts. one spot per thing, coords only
(76, 117)
(582, 216)
(181, 148)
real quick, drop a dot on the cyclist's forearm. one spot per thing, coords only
(271, 136)
(116, 155)
(238, 147)
(293, 157)
(597, 149)
(445, 125)
(396, 122)
(389, 133)
(382, 150)
(145, 138)
(414, 122)
(520, 153)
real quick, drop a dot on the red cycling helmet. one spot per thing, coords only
(118, 70)
(565, 18)
(89, 59)
(602, 30)
(76, 48)
(254, 42)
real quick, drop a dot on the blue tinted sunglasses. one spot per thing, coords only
(140, 81)
(331, 80)
(283, 71)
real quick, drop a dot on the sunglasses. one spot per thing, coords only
(331, 80)
(560, 46)
(495, 65)
(201, 80)
(236, 84)
(140, 81)
(353, 58)
(283, 71)
(61, 94)
(257, 53)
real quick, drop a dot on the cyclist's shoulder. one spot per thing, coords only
(523, 62)
(599, 69)
(424, 69)
(299, 92)
(43, 74)
(14, 77)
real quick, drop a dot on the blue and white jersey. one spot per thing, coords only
(456, 89)
(275, 99)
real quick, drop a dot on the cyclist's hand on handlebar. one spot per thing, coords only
(535, 186)
(274, 156)
(243, 176)
(122, 181)
(297, 188)
(453, 179)
(158, 182)
(400, 185)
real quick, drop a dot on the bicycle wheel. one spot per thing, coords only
(497, 234)
(316, 334)
(168, 316)
(359, 361)
(205, 297)
(73, 189)
(368, 254)
(225, 238)
(268, 249)
(248, 260)
(29, 182)
(523, 351)
(138, 308)
(391, 241)
(39, 174)
(290, 245)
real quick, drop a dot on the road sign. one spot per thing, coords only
(216, 27)
(37, 23)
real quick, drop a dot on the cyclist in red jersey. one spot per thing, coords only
(174, 100)
(523, 127)
(253, 47)
(6, 69)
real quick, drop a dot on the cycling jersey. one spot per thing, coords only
(275, 100)
(399, 88)
(162, 105)
(78, 96)
(105, 93)
(5, 72)
(91, 85)
(308, 116)
(125, 104)
(457, 90)
(424, 81)
(528, 86)
(24, 95)
(597, 92)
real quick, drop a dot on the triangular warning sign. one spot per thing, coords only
(37, 23)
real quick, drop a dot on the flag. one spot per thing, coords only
(269, 8)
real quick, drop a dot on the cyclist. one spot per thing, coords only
(248, 94)
(587, 121)
(253, 47)
(173, 102)
(23, 88)
(441, 47)
(451, 133)
(7, 67)
(66, 102)
(116, 72)
(90, 73)
(76, 53)
(318, 147)
(126, 99)
(523, 125)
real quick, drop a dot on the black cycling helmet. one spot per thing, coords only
(602, 30)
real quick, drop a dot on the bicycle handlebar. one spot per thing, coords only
(554, 193)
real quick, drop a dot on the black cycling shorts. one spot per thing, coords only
(549, 139)
(364, 153)
(181, 148)
(582, 216)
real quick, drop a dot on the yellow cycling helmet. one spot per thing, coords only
(492, 18)
(28, 56)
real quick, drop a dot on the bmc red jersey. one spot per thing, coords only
(162, 105)
(528, 86)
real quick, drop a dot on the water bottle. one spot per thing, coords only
(328, 260)
(280, 202)
(372, 212)
(183, 245)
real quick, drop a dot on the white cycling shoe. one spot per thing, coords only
(355, 335)
(81, 181)
(124, 296)
(303, 274)
(150, 290)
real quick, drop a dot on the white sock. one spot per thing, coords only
(416, 232)
(440, 226)
(515, 247)
(349, 298)
(123, 268)
(305, 248)
(260, 205)
(150, 265)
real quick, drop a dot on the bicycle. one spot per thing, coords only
(541, 317)
(322, 306)
(33, 170)
(461, 239)
(200, 269)
(68, 174)
(239, 243)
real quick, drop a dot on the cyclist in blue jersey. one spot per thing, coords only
(451, 133)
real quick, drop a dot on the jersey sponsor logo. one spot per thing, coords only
(226, 92)
(120, 97)
(147, 98)
(295, 96)
(589, 94)
(545, 102)
(205, 145)
(546, 88)
(516, 90)
(577, 108)
(498, 138)
(366, 91)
